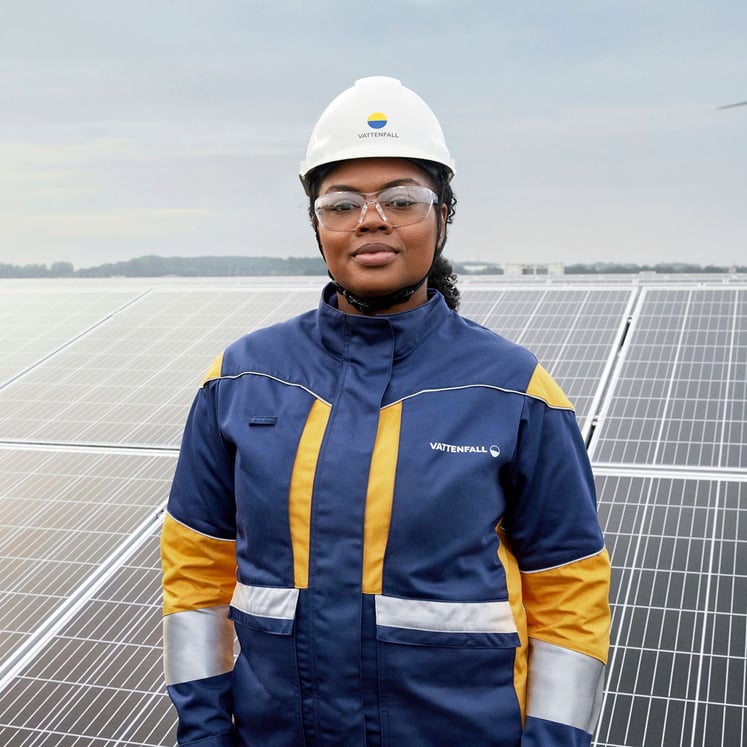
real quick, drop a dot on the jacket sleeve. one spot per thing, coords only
(555, 535)
(198, 555)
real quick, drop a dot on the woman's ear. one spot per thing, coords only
(442, 226)
(315, 224)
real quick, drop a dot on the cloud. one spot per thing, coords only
(101, 224)
(563, 119)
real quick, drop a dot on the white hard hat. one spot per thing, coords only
(376, 118)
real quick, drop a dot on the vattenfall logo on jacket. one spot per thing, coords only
(493, 450)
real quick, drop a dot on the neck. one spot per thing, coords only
(399, 300)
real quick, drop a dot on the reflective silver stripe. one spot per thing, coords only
(265, 601)
(564, 686)
(446, 617)
(197, 644)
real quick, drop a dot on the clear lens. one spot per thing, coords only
(398, 206)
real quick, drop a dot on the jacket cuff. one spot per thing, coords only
(222, 740)
(205, 709)
(540, 733)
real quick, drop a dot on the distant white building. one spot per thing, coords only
(519, 268)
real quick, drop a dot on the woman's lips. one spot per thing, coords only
(374, 255)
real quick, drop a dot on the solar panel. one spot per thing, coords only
(573, 332)
(91, 420)
(131, 380)
(99, 679)
(66, 517)
(680, 392)
(36, 321)
(679, 659)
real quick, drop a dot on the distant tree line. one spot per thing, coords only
(155, 266)
(661, 268)
(55, 270)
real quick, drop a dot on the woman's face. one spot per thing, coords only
(376, 258)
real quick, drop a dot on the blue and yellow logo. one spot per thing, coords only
(377, 120)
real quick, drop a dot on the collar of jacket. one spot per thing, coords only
(409, 328)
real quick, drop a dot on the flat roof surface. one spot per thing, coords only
(95, 383)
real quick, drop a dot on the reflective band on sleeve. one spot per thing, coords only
(446, 617)
(265, 601)
(197, 644)
(564, 686)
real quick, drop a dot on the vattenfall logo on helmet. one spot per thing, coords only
(377, 121)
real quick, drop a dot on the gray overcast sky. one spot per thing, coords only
(583, 130)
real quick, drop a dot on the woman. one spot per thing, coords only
(389, 505)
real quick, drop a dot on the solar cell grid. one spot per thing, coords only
(679, 555)
(99, 680)
(35, 323)
(678, 394)
(477, 304)
(132, 379)
(575, 340)
(572, 332)
(513, 311)
(63, 514)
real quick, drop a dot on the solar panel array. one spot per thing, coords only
(95, 383)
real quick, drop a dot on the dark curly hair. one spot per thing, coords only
(441, 276)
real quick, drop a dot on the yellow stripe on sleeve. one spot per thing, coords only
(544, 387)
(215, 370)
(568, 606)
(198, 571)
(513, 582)
(379, 498)
(301, 489)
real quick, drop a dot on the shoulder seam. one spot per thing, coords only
(197, 531)
(563, 565)
(505, 390)
(232, 377)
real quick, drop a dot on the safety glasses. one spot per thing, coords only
(397, 206)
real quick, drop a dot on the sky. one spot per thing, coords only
(583, 130)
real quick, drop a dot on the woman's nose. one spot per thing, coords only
(373, 219)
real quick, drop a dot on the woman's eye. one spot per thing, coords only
(343, 207)
(399, 203)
